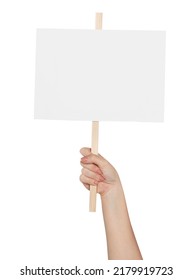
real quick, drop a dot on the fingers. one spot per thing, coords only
(88, 157)
(92, 167)
(97, 177)
(87, 181)
(90, 176)
(91, 173)
(94, 159)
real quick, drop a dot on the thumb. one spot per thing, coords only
(85, 151)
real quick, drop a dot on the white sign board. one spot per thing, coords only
(108, 75)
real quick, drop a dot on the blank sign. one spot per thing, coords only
(108, 75)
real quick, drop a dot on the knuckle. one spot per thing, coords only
(99, 171)
(97, 178)
(95, 168)
(92, 157)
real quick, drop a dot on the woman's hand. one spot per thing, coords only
(97, 171)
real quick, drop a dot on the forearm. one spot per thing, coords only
(121, 242)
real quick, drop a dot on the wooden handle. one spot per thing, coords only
(94, 150)
(95, 133)
(98, 21)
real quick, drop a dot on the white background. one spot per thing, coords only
(44, 218)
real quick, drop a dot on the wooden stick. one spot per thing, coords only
(95, 133)
(98, 21)
(94, 150)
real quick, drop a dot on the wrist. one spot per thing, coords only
(114, 204)
(112, 192)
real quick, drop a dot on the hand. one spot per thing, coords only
(97, 171)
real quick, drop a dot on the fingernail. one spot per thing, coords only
(84, 159)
